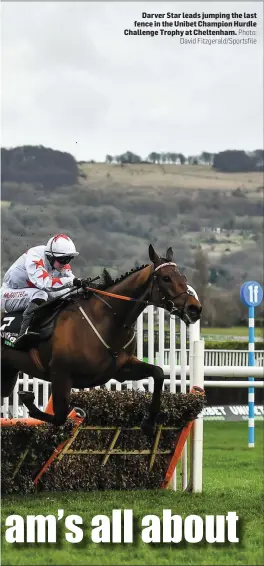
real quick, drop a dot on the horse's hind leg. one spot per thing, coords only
(9, 377)
(61, 385)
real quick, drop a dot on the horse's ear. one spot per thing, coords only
(169, 254)
(152, 254)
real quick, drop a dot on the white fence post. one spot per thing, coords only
(25, 388)
(173, 380)
(151, 356)
(15, 399)
(172, 355)
(183, 363)
(197, 429)
(45, 394)
(140, 339)
(160, 359)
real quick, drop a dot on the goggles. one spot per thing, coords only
(64, 259)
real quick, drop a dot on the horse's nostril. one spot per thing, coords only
(194, 311)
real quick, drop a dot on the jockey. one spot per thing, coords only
(41, 273)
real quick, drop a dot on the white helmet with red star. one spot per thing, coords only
(61, 246)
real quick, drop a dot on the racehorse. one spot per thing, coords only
(93, 337)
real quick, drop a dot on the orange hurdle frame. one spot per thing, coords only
(28, 420)
(179, 446)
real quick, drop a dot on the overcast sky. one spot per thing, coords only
(72, 81)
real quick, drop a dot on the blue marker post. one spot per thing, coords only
(251, 294)
(251, 390)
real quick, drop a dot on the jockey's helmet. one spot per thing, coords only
(61, 248)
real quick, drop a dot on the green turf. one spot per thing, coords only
(232, 331)
(215, 332)
(233, 477)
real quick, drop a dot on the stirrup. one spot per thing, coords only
(27, 340)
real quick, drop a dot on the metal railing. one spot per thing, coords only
(218, 357)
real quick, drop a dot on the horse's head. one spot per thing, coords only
(170, 289)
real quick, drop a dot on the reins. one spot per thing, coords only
(86, 288)
(114, 296)
(124, 297)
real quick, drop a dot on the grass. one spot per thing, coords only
(233, 331)
(233, 477)
(223, 332)
(171, 177)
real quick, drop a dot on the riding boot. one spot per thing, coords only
(25, 337)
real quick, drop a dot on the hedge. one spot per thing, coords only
(103, 408)
(231, 345)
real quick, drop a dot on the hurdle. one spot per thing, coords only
(96, 443)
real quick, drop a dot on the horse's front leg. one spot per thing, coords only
(135, 370)
(148, 424)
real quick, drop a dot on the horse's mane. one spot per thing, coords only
(108, 281)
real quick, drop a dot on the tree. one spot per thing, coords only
(39, 165)
(259, 153)
(130, 157)
(192, 160)
(168, 155)
(206, 157)
(234, 161)
(182, 158)
(109, 158)
(174, 157)
(259, 156)
(154, 157)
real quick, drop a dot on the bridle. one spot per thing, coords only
(155, 278)
(143, 298)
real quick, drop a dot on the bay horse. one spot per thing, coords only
(93, 338)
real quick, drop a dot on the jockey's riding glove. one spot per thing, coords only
(77, 282)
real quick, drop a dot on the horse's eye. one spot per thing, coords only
(166, 279)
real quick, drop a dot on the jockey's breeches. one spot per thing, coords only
(18, 299)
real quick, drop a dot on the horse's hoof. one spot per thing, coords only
(27, 397)
(161, 417)
(148, 427)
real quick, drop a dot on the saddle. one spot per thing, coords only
(43, 322)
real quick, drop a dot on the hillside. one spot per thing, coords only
(115, 211)
(154, 177)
